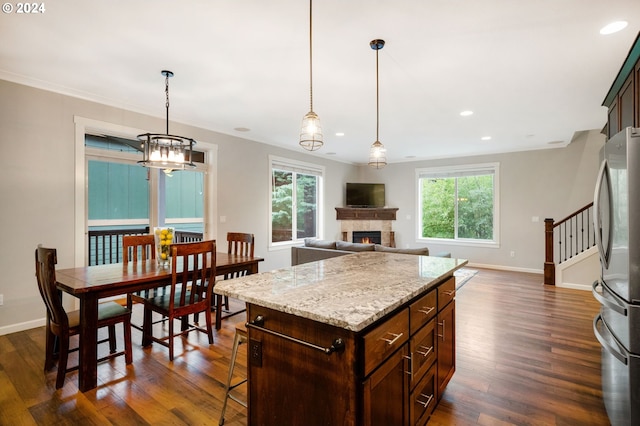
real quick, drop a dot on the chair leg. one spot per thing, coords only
(171, 340)
(226, 302)
(62, 362)
(146, 327)
(207, 315)
(50, 343)
(112, 339)
(237, 341)
(218, 312)
(128, 352)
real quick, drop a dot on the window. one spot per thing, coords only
(459, 203)
(296, 200)
(119, 193)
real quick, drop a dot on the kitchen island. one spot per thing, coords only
(366, 338)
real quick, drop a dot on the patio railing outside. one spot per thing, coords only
(105, 246)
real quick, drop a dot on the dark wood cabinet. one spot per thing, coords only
(424, 398)
(385, 392)
(623, 98)
(446, 345)
(390, 373)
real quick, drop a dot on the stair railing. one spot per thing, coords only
(574, 234)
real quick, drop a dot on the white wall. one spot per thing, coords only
(37, 186)
(548, 183)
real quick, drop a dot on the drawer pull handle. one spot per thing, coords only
(427, 350)
(426, 310)
(427, 402)
(449, 293)
(443, 325)
(395, 338)
(410, 372)
(336, 346)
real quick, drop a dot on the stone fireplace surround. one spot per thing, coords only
(367, 219)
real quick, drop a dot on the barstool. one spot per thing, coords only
(240, 338)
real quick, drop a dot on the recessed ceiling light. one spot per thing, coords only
(613, 27)
(241, 129)
(486, 138)
(340, 134)
(466, 113)
(331, 153)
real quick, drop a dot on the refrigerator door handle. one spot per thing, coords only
(616, 353)
(603, 177)
(618, 307)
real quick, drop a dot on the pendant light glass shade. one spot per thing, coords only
(377, 155)
(311, 131)
(377, 152)
(165, 151)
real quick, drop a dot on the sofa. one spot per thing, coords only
(316, 249)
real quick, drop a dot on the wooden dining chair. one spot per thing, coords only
(193, 274)
(241, 244)
(139, 248)
(62, 324)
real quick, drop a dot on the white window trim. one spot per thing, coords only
(495, 167)
(84, 126)
(309, 167)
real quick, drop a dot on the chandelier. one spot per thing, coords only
(311, 131)
(377, 152)
(165, 151)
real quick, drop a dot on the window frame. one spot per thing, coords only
(460, 171)
(84, 126)
(296, 166)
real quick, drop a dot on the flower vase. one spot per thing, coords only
(163, 239)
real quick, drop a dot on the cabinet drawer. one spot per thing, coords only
(423, 350)
(383, 340)
(446, 292)
(424, 398)
(422, 310)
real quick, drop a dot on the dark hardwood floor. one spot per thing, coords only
(526, 355)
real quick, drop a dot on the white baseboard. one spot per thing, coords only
(574, 286)
(505, 268)
(14, 328)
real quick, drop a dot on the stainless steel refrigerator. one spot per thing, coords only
(617, 226)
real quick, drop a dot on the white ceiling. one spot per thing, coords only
(533, 71)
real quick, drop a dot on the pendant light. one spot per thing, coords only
(165, 151)
(377, 153)
(311, 131)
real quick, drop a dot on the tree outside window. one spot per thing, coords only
(295, 201)
(458, 204)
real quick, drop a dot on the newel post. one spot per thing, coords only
(549, 265)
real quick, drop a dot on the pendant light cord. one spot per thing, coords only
(166, 91)
(377, 100)
(311, 55)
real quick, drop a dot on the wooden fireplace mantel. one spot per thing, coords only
(364, 213)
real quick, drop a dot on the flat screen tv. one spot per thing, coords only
(365, 195)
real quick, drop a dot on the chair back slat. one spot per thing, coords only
(46, 260)
(241, 244)
(138, 247)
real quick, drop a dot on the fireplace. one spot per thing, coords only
(367, 237)
(365, 220)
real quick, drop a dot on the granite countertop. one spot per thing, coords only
(350, 292)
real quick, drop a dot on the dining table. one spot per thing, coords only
(92, 283)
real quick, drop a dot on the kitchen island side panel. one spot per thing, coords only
(294, 384)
